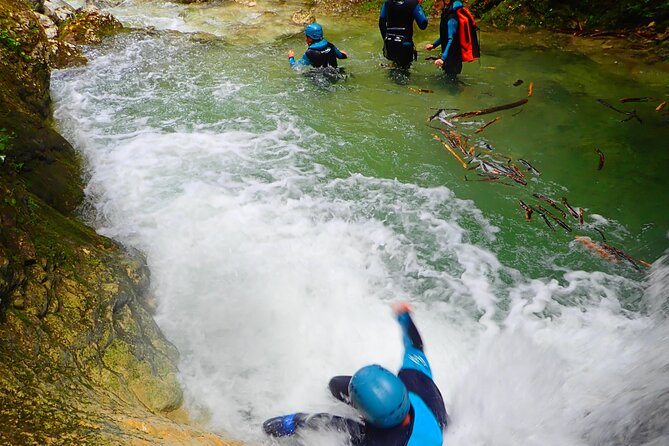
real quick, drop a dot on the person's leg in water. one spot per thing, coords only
(453, 67)
(402, 54)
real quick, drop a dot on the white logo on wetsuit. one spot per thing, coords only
(418, 360)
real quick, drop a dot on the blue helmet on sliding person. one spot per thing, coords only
(314, 31)
(380, 396)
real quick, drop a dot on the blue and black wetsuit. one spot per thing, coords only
(320, 54)
(396, 26)
(427, 414)
(448, 38)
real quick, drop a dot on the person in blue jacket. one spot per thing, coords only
(320, 52)
(396, 410)
(451, 59)
(396, 25)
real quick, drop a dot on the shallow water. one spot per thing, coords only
(280, 218)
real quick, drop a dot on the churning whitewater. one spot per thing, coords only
(273, 273)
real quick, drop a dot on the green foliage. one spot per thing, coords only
(5, 147)
(5, 144)
(12, 43)
(571, 13)
(371, 5)
(8, 40)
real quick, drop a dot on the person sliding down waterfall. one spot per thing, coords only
(320, 52)
(396, 410)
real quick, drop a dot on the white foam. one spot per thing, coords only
(272, 274)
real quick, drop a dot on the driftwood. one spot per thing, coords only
(528, 210)
(420, 90)
(448, 148)
(630, 115)
(529, 166)
(643, 99)
(486, 111)
(480, 129)
(661, 106)
(571, 210)
(600, 166)
(550, 202)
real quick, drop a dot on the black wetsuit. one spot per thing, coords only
(396, 26)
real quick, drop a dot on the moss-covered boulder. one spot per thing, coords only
(89, 26)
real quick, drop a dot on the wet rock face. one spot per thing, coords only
(24, 59)
(83, 362)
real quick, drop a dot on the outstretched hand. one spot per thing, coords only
(439, 62)
(291, 53)
(429, 47)
(402, 307)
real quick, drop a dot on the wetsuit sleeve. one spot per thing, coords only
(437, 42)
(414, 357)
(339, 54)
(420, 17)
(326, 421)
(382, 21)
(452, 29)
(303, 61)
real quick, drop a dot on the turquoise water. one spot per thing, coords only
(280, 218)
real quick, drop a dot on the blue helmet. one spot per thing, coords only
(314, 30)
(379, 395)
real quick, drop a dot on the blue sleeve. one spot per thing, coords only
(452, 29)
(419, 15)
(304, 61)
(339, 54)
(382, 21)
(414, 358)
(437, 42)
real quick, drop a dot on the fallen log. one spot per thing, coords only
(486, 111)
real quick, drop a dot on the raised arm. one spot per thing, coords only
(414, 357)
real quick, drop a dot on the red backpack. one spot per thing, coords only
(469, 42)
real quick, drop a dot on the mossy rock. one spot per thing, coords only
(89, 27)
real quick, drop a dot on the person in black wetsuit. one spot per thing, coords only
(396, 26)
(320, 52)
(450, 59)
(396, 410)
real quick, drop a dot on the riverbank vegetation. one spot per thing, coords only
(642, 22)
